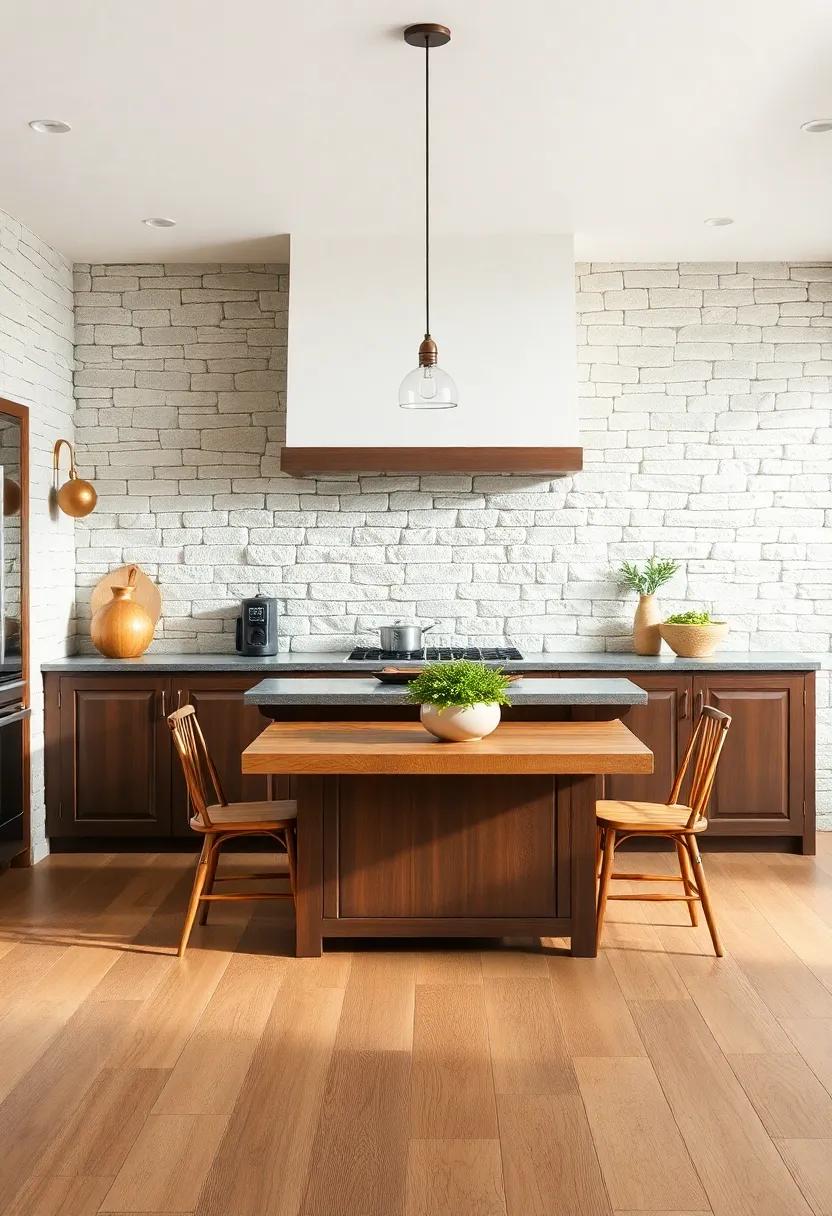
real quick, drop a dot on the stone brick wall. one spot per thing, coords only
(36, 360)
(706, 417)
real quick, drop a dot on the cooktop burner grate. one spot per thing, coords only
(434, 653)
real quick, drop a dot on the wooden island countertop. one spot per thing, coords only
(407, 748)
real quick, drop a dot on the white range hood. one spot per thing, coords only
(503, 315)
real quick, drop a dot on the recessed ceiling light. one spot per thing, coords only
(49, 126)
(159, 221)
(718, 221)
(817, 126)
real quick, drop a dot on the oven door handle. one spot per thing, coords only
(10, 719)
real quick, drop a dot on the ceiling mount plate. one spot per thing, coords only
(427, 34)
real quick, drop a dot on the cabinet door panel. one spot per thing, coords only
(229, 726)
(115, 757)
(663, 724)
(759, 782)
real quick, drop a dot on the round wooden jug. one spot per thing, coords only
(122, 629)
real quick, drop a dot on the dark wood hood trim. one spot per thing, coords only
(553, 461)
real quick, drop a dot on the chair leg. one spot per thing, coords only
(599, 849)
(291, 856)
(687, 877)
(704, 894)
(606, 871)
(213, 860)
(199, 883)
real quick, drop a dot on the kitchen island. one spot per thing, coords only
(400, 835)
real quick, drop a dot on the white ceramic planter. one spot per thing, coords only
(461, 724)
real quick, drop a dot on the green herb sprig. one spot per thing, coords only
(461, 683)
(656, 572)
(691, 618)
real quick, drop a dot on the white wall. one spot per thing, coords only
(502, 313)
(705, 410)
(36, 363)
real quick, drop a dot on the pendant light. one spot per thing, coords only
(427, 387)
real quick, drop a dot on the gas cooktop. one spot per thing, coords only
(433, 653)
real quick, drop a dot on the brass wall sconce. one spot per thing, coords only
(76, 497)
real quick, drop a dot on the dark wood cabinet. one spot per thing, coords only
(109, 769)
(664, 724)
(765, 780)
(760, 786)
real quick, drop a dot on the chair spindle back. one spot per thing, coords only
(201, 777)
(704, 749)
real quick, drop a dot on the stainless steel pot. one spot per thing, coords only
(401, 637)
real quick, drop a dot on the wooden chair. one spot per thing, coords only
(618, 820)
(220, 821)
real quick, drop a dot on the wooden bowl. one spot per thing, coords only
(694, 641)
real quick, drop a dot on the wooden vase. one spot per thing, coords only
(646, 636)
(122, 629)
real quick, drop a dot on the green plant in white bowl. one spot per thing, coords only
(460, 700)
(655, 572)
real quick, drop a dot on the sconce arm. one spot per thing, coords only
(56, 456)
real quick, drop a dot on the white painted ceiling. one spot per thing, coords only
(625, 121)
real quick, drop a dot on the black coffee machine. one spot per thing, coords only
(257, 626)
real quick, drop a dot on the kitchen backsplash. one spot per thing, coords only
(705, 409)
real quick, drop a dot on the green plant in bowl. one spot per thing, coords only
(691, 618)
(460, 700)
(693, 634)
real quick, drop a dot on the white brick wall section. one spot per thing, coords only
(36, 363)
(706, 394)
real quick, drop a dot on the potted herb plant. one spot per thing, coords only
(646, 581)
(693, 635)
(460, 700)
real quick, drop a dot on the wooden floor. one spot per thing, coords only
(415, 1081)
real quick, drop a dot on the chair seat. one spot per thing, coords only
(241, 814)
(645, 816)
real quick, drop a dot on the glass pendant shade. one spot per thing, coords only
(428, 388)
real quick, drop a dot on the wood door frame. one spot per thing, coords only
(15, 409)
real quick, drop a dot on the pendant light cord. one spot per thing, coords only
(427, 186)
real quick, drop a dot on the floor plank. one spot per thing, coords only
(732, 1009)
(264, 1159)
(47, 1095)
(528, 1050)
(166, 1167)
(738, 1164)
(95, 1141)
(809, 1162)
(549, 1160)
(643, 1158)
(451, 1087)
(813, 1039)
(209, 1073)
(454, 1178)
(59, 1197)
(786, 1094)
(359, 1154)
(591, 1008)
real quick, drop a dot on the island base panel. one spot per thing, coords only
(382, 856)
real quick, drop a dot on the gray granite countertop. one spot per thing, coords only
(170, 664)
(553, 691)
